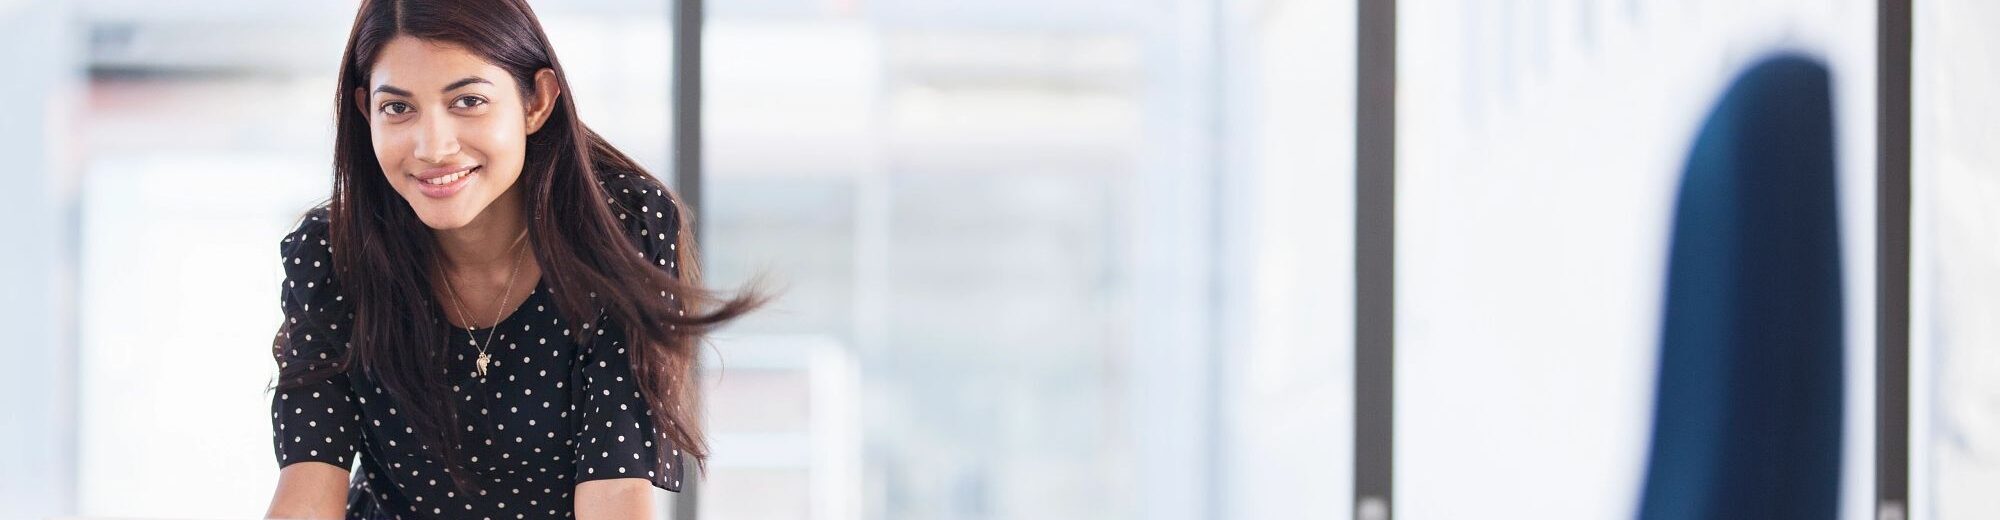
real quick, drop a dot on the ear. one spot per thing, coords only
(543, 100)
(361, 101)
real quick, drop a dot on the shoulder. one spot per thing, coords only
(637, 195)
(307, 254)
(313, 225)
(308, 240)
(643, 205)
(646, 210)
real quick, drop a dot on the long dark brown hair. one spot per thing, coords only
(385, 255)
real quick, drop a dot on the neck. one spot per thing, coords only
(486, 243)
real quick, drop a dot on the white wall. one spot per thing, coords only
(35, 382)
(1955, 259)
(1288, 247)
(179, 276)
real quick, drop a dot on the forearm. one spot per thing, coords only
(310, 491)
(614, 499)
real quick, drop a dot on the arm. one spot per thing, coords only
(315, 425)
(618, 438)
(310, 490)
(614, 499)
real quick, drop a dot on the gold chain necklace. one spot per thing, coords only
(499, 308)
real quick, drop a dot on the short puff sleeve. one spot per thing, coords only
(617, 437)
(319, 420)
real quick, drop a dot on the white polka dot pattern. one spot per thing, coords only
(319, 421)
(618, 438)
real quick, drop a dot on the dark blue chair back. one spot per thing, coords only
(1749, 417)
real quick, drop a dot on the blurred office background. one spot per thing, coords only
(1041, 259)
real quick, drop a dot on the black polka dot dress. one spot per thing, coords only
(548, 415)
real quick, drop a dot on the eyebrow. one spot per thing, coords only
(455, 85)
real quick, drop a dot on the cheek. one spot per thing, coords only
(390, 146)
(500, 142)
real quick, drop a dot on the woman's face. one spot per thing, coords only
(450, 129)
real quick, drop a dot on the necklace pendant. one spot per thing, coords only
(482, 362)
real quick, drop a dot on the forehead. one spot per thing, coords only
(422, 66)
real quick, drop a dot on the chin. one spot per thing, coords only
(444, 223)
(443, 217)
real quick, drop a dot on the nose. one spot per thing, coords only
(437, 139)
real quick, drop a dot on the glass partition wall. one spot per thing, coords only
(1039, 259)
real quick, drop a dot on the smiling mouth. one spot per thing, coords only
(440, 183)
(448, 179)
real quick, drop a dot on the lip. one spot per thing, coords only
(422, 179)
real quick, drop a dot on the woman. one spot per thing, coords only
(496, 311)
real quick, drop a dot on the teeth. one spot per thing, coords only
(448, 179)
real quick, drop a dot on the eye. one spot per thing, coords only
(468, 102)
(395, 108)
